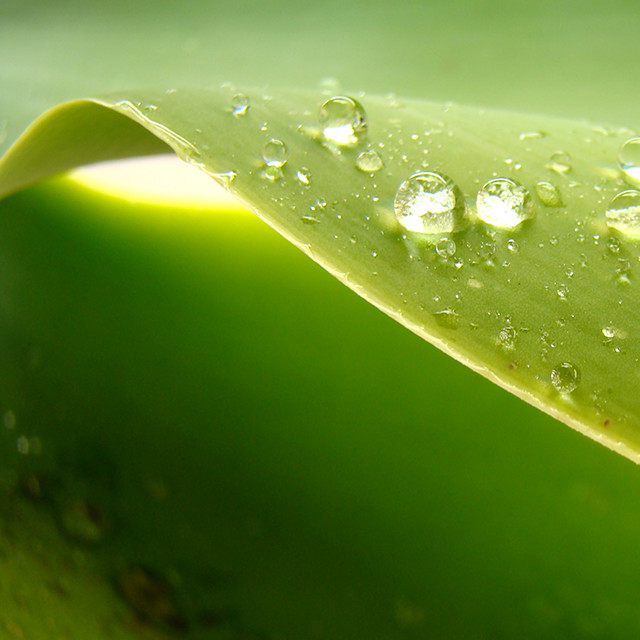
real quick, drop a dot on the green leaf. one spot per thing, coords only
(517, 305)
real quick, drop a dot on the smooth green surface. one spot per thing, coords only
(327, 473)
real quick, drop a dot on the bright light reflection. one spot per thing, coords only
(161, 179)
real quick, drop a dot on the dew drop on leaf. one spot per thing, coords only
(240, 104)
(303, 176)
(565, 377)
(629, 159)
(275, 153)
(549, 194)
(623, 214)
(445, 247)
(504, 203)
(428, 202)
(343, 121)
(272, 172)
(560, 162)
(369, 161)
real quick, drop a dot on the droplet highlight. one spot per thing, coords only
(560, 162)
(343, 121)
(428, 202)
(504, 203)
(623, 214)
(565, 377)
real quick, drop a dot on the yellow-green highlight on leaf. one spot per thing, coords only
(547, 309)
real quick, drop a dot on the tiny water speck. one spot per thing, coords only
(275, 153)
(504, 203)
(623, 214)
(549, 194)
(565, 377)
(428, 202)
(343, 121)
(369, 161)
(303, 176)
(629, 159)
(240, 104)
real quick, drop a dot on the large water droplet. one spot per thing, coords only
(504, 203)
(369, 161)
(239, 104)
(343, 121)
(623, 213)
(549, 194)
(565, 377)
(629, 159)
(429, 203)
(275, 153)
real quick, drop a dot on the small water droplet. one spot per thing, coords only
(343, 121)
(303, 176)
(526, 135)
(513, 246)
(507, 338)
(9, 420)
(369, 161)
(272, 172)
(275, 153)
(447, 318)
(565, 377)
(504, 203)
(240, 104)
(445, 247)
(428, 202)
(629, 159)
(549, 194)
(309, 219)
(560, 162)
(623, 214)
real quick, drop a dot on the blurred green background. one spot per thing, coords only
(294, 462)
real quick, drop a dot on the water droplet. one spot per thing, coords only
(429, 203)
(504, 203)
(272, 172)
(526, 135)
(343, 121)
(240, 104)
(447, 318)
(309, 219)
(565, 377)
(513, 246)
(629, 159)
(623, 213)
(445, 247)
(275, 153)
(560, 162)
(549, 194)
(507, 338)
(303, 176)
(369, 161)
